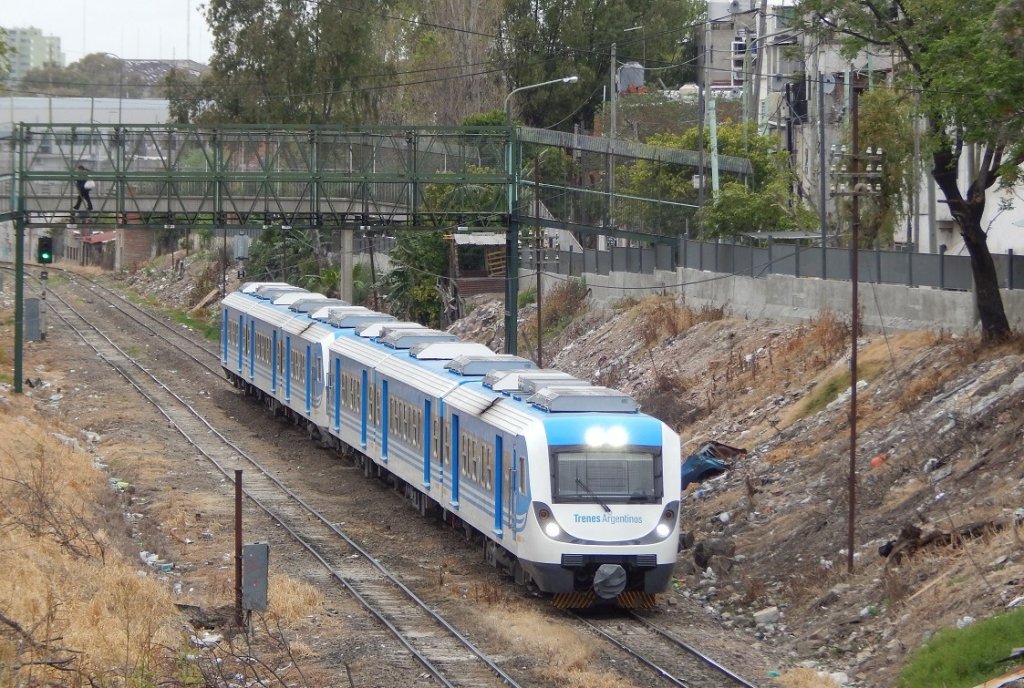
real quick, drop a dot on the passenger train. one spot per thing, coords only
(567, 485)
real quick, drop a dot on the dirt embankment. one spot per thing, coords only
(938, 482)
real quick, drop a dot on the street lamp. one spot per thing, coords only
(512, 235)
(643, 34)
(508, 98)
(120, 84)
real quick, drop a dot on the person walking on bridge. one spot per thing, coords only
(84, 186)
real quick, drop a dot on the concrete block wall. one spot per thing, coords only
(786, 298)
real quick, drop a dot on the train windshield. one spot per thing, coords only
(623, 476)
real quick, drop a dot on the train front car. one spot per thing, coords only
(602, 525)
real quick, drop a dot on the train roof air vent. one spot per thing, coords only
(293, 296)
(373, 328)
(529, 386)
(398, 338)
(312, 303)
(252, 287)
(271, 293)
(584, 399)
(512, 380)
(445, 351)
(470, 364)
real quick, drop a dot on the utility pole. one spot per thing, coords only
(536, 261)
(705, 79)
(822, 210)
(854, 180)
(855, 328)
(612, 126)
(761, 30)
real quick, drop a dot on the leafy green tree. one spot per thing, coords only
(963, 62)
(283, 256)
(99, 75)
(886, 122)
(294, 61)
(419, 261)
(761, 202)
(547, 39)
(444, 61)
(5, 66)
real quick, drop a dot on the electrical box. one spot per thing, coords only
(255, 572)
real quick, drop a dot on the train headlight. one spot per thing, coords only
(594, 437)
(617, 436)
(606, 437)
(552, 530)
(663, 529)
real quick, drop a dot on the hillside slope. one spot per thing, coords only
(939, 472)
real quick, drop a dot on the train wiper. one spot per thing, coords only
(591, 493)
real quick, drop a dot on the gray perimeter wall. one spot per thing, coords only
(786, 298)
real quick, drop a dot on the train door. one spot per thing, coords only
(521, 489)
(275, 362)
(510, 486)
(455, 441)
(385, 421)
(287, 369)
(427, 444)
(250, 346)
(241, 329)
(336, 397)
(498, 468)
(365, 410)
(225, 318)
(309, 378)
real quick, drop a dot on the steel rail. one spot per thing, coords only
(376, 613)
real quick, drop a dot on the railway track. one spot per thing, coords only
(674, 661)
(654, 650)
(450, 657)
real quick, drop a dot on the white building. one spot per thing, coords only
(29, 49)
(737, 58)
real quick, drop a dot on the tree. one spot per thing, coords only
(445, 66)
(762, 201)
(963, 64)
(293, 61)
(419, 260)
(98, 75)
(541, 40)
(885, 122)
(5, 66)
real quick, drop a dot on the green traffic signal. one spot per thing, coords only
(44, 250)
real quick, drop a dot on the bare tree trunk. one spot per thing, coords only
(968, 213)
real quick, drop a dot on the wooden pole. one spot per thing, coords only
(239, 616)
(854, 325)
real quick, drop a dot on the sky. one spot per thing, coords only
(130, 29)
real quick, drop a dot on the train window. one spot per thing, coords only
(614, 476)
(522, 475)
(446, 447)
(463, 452)
(435, 438)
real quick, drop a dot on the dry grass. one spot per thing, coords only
(69, 604)
(292, 600)
(567, 657)
(806, 678)
(75, 610)
(661, 317)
